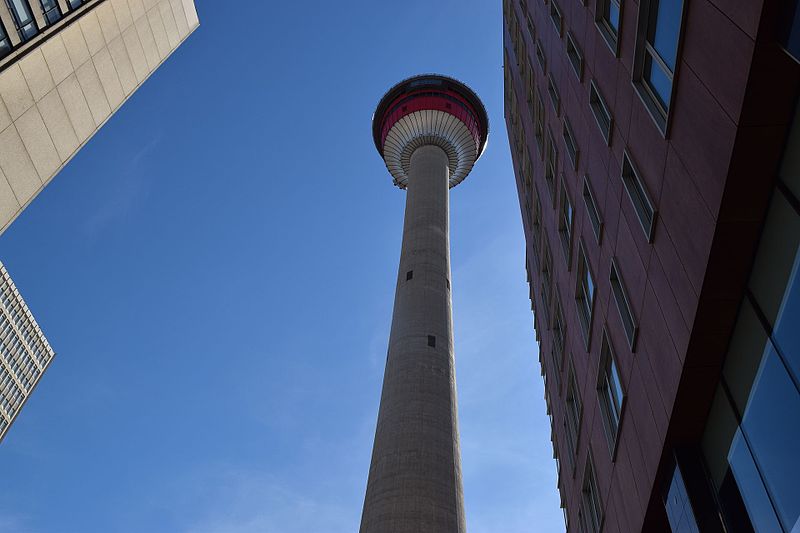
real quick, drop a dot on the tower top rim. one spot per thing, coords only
(421, 99)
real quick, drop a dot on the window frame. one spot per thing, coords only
(595, 218)
(566, 227)
(599, 106)
(585, 310)
(590, 500)
(607, 358)
(575, 56)
(556, 17)
(18, 23)
(570, 143)
(551, 166)
(554, 93)
(620, 292)
(609, 33)
(639, 196)
(646, 24)
(5, 38)
(539, 124)
(56, 7)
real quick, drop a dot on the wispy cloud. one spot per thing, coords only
(242, 501)
(129, 190)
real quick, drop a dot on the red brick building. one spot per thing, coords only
(656, 147)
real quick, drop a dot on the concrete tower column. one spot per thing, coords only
(415, 476)
(429, 130)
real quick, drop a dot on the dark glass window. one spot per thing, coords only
(75, 3)
(679, 509)
(51, 11)
(600, 111)
(555, 16)
(609, 393)
(623, 305)
(790, 28)
(26, 25)
(591, 512)
(570, 144)
(608, 19)
(547, 278)
(591, 209)
(573, 405)
(551, 166)
(5, 43)
(536, 225)
(559, 338)
(638, 196)
(540, 56)
(555, 96)
(538, 129)
(575, 56)
(656, 54)
(566, 221)
(584, 294)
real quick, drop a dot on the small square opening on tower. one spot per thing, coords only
(409, 275)
(432, 341)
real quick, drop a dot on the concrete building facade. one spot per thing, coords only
(655, 147)
(430, 131)
(24, 352)
(65, 67)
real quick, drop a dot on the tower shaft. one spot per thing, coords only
(414, 481)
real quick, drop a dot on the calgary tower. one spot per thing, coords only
(430, 130)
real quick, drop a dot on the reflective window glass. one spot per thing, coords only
(750, 488)
(771, 424)
(666, 30)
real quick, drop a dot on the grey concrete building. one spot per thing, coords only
(65, 67)
(24, 352)
(429, 130)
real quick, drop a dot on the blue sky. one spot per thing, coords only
(215, 271)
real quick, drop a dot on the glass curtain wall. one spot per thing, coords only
(752, 438)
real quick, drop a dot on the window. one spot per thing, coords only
(600, 111)
(23, 19)
(551, 166)
(639, 197)
(51, 11)
(5, 43)
(547, 278)
(540, 56)
(573, 416)
(570, 144)
(538, 129)
(566, 219)
(584, 294)
(575, 56)
(607, 20)
(555, 97)
(591, 210)
(555, 16)
(432, 341)
(591, 511)
(623, 306)
(559, 338)
(409, 275)
(531, 25)
(679, 509)
(609, 393)
(536, 223)
(656, 55)
(75, 3)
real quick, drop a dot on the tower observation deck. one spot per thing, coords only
(430, 131)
